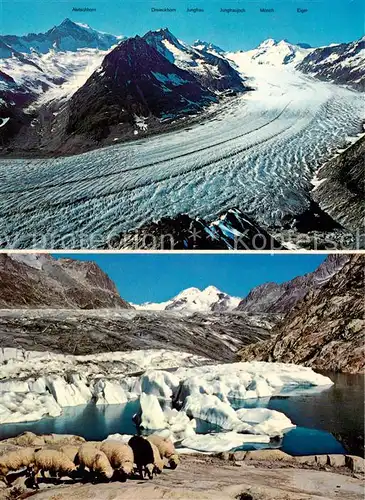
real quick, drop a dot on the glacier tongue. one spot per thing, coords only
(35, 385)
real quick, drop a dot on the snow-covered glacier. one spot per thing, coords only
(180, 395)
(258, 151)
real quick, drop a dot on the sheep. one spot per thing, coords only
(143, 455)
(158, 462)
(28, 439)
(31, 439)
(70, 451)
(95, 460)
(166, 449)
(54, 461)
(120, 456)
(15, 460)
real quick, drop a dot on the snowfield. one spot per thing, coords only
(259, 153)
(178, 403)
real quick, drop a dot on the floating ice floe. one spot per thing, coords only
(223, 441)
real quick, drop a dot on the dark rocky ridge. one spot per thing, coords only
(134, 79)
(342, 190)
(279, 298)
(40, 281)
(325, 330)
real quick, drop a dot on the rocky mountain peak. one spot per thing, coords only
(41, 281)
(278, 298)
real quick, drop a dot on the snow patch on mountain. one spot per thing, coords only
(195, 300)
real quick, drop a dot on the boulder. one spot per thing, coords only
(237, 455)
(307, 460)
(356, 464)
(336, 460)
(322, 459)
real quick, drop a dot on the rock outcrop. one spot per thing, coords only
(233, 230)
(340, 187)
(40, 281)
(325, 330)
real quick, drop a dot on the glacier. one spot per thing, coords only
(258, 151)
(200, 406)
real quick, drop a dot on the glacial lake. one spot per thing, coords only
(319, 416)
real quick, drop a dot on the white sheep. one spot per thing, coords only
(70, 451)
(53, 461)
(16, 460)
(95, 460)
(166, 449)
(120, 456)
(158, 462)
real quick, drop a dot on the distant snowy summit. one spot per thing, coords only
(275, 53)
(195, 300)
(340, 63)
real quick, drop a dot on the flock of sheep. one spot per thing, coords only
(93, 460)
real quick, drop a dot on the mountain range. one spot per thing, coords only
(52, 84)
(315, 319)
(68, 36)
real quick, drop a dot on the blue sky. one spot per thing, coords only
(158, 277)
(327, 21)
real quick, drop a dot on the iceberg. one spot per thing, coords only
(107, 392)
(264, 421)
(27, 407)
(212, 410)
(152, 416)
(162, 384)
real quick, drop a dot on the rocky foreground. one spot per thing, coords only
(258, 475)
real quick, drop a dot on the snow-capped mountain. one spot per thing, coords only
(209, 68)
(67, 36)
(343, 63)
(195, 300)
(52, 64)
(208, 47)
(276, 53)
